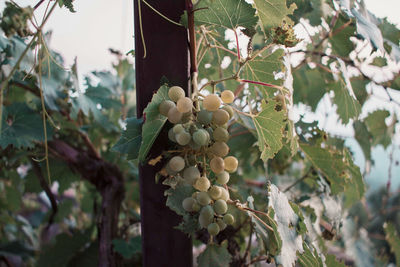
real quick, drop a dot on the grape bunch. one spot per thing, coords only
(202, 161)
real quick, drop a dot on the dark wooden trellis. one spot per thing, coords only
(167, 55)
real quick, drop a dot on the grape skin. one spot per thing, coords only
(220, 134)
(206, 216)
(228, 109)
(174, 116)
(165, 106)
(171, 135)
(220, 117)
(227, 96)
(215, 192)
(220, 207)
(190, 174)
(220, 149)
(201, 137)
(228, 219)
(187, 204)
(183, 138)
(221, 224)
(178, 128)
(213, 229)
(177, 163)
(217, 165)
(223, 177)
(204, 117)
(224, 194)
(175, 93)
(231, 163)
(184, 105)
(202, 184)
(203, 198)
(212, 102)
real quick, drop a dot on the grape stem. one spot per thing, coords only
(237, 45)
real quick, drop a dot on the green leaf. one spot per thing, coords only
(88, 257)
(128, 249)
(359, 85)
(341, 44)
(214, 256)
(376, 125)
(328, 162)
(389, 31)
(270, 124)
(309, 86)
(363, 138)
(131, 138)
(176, 197)
(379, 62)
(262, 69)
(331, 261)
(393, 239)
(347, 106)
(68, 4)
(309, 258)
(225, 13)
(273, 12)
(355, 188)
(22, 126)
(153, 123)
(13, 198)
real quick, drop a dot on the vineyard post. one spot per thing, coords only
(166, 46)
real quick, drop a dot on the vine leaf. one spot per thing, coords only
(340, 41)
(393, 239)
(131, 138)
(347, 106)
(22, 126)
(363, 138)
(263, 67)
(355, 188)
(309, 258)
(214, 256)
(226, 13)
(331, 261)
(176, 197)
(270, 124)
(128, 249)
(273, 12)
(376, 125)
(153, 123)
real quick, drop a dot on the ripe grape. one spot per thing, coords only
(174, 116)
(220, 207)
(165, 106)
(229, 219)
(213, 229)
(171, 135)
(221, 224)
(220, 134)
(183, 138)
(223, 177)
(178, 128)
(224, 194)
(190, 174)
(177, 163)
(196, 207)
(227, 96)
(169, 170)
(184, 104)
(202, 184)
(220, 117)
(204, 117)
(206, 216)
(228, 109)
(203, 198)
(215, 192)
(175, 93)
(220, 149)
(217, 165)
(187, 204)
(211, 102)
(201, 137)
(231, 163)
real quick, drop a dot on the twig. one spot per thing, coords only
(237, 45)
(38, 4)
(298, 180)
(192, 36)
(161, 15)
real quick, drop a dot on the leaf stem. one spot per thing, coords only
(237, 45)
(161, 15)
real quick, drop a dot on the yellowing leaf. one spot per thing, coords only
(273, 12)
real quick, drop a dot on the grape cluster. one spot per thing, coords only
(202, 161)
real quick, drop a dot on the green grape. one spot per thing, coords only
(203, 198)
(202, 184)
(213, 229)
(227, 96)
(229, 219)
(178, 128)
(183, 138)
(220, 207)
(165, 106)
(220, 149)
(171, 135)
(217, 165)
(221, 224)
(174, 116)
(228, 109)
(220, 134)
(191, 174)
(204, 117)
(231, 163)
(201, 137)
(177, 163)
(184, 105)
(169, 170)
(215, 192)
(187, 204)
(223, 177)
(196, 207)
(220, 117)
(175, 93)
(224, 194)
(212, 102)
(206, 216)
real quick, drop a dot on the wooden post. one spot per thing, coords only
(167, 55)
